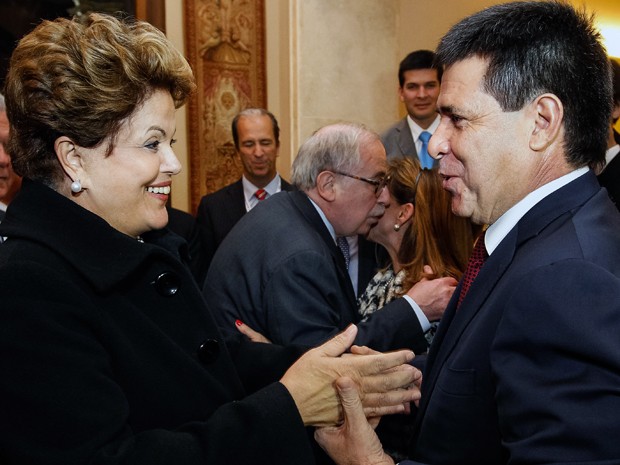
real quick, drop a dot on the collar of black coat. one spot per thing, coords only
(102, 254)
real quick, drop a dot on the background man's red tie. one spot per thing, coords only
(260, 194)
(476, 260)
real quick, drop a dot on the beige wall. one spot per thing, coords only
(330, 60)
(344, 69)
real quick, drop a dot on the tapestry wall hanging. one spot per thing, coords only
(225, 41)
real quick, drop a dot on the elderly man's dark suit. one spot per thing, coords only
(527, 370)
(280, 271)
(398, 141)
(217, 214)
(610, 177)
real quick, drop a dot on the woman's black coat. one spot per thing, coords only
(109, 355)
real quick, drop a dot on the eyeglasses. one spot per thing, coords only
(378, 183)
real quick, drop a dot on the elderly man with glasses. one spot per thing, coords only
(280, 271)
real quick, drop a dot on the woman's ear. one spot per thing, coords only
(325, 186)
(69, 157)
(405, 212)
(548, 114)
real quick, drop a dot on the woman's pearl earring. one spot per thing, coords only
(397, 227)
(76, 186)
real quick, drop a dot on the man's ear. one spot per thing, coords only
(548, 114)
(325, 185)
(69, 157)
(615, 112)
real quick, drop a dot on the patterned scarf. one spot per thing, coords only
(384, 287)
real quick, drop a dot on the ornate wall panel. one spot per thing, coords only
(225, 42)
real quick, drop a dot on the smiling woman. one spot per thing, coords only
(129, 186)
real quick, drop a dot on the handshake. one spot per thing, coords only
(345, 394)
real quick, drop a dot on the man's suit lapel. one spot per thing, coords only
(454, 323)
(235, 209)
(302, 202)
(285, 186)
(1, 218)
(405, 140)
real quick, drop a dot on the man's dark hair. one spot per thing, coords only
(255, 112)
(538, 47)
(420, 59)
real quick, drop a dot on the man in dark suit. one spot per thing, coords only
(609, 177)
(280, 272)
(419, 81)
(10, 182)
(180, 222)
(256, 136)
(525, 366)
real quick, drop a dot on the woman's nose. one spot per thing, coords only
(170, 163)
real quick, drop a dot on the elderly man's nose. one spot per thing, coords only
(384, 197)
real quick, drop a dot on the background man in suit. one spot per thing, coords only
(609, 178)
(256, 135)
(526, 369)
(180, 222)
(294, 287)
(419, 82)
(10, 182)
